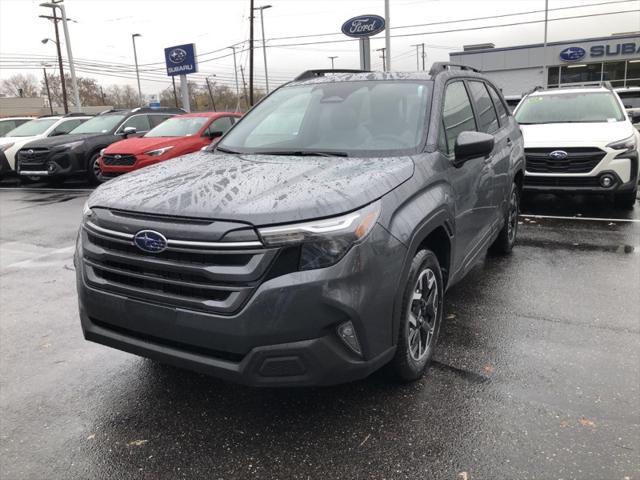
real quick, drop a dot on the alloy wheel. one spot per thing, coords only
(423, 312)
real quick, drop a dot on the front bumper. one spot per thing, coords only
(5, 168)
(64, 163)
(285, 335)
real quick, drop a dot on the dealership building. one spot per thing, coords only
(587, 61)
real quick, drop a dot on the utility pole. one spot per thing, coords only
(244, 85)
(418, 47)
(135, 57)
(175, 93)
(545, 79)
(65, 27)
(384, 63)
(387, 35)
(104, 102)
(213, 102)
(250, 54)
(46, 83)
(264, 46)
(235, 71)
(63, 85)
(332, 58)
(424, 57)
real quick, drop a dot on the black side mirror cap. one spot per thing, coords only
(472, 145)
(634, 116)
(215, 134)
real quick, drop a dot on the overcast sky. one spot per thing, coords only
(102, 34)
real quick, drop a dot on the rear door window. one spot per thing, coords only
(221, 124)
(66, 126)
(158, 119)
(139, 122)
(500, 108)
(487, 118)
(457, 114)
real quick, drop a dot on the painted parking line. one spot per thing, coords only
(589, 219)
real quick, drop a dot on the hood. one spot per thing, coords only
(257, 189)
(574, 134)
(61, 139)
(139, 145)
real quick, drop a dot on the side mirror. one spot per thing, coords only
(634, 116)
(215, 134)
(57, 134)
(472, 145)
(128, 131)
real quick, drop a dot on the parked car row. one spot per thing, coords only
(54, 148)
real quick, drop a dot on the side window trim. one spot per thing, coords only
(474, 106)
(505, 107)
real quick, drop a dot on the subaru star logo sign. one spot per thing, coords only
(572, 54)
(150, 241)
(177, 55)
(363, 26)
(558, 155)
(181, 59)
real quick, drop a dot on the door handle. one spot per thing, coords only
(509, 142)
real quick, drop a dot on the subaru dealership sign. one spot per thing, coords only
(363, 26)
(181, 59)
(572, 54)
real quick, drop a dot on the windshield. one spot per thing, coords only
(178, 127)
(368, 118)
(578, 107)
(34, 127)
(100, 124)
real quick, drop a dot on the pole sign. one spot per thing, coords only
(363, 26)
(181, 59)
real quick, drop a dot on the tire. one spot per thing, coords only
(422, 301)
(625, 200)
(94, 174)
(506, 239)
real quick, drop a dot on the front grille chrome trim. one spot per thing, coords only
(174, 243)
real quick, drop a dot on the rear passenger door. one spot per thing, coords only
(488, 122)
(471, 182)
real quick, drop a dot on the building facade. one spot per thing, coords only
(588, 61)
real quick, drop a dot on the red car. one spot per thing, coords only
(175, 136)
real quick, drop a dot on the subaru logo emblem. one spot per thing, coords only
(177, 55)
(558, 155)
(150, 241)
(118, 157)
(30, 151)
(572, 54)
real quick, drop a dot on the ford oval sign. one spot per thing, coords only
(363, 26)
(572, 54)
(150, 241)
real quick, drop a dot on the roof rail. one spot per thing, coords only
(78, 114)
(322, 72)
(112, 110)
(439, 67)
(47, 116)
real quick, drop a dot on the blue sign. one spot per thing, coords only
(181, 59)
(572, 54)
(363, 26)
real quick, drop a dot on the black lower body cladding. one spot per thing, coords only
(284, 335)
(55, 164)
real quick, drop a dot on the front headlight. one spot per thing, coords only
(324, 242)
(102, 152)
(5, 147)
(70, 145)
(86, 212)
(158, 152)
(628, 145)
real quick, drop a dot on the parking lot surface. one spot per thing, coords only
(536, 374)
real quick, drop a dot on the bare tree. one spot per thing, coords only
(20, 85)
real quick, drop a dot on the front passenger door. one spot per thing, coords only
(471, 182)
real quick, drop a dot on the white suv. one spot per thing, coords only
(50, 126)
(580, 140)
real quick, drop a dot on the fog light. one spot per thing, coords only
(348, 335)
(606, 180)
(51, 167)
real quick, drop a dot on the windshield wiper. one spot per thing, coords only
(226, 150)
(304, 153)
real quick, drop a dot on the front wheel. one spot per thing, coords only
(507, 236)
(94, 172)
(420, 319)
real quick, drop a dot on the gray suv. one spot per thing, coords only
(315, 242)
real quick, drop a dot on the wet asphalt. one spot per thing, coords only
(537, 373)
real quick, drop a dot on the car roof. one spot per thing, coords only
(207, 114)
(562, 91)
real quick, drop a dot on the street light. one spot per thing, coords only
(264, 46)
(63, 85)
(58, 4)
(332, 59)
(135, 57)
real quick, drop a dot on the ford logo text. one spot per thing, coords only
(363, 26)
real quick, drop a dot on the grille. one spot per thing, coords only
(119, 160)
(561, 181)
(579, 160)
(33, 155)
(219, 279)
